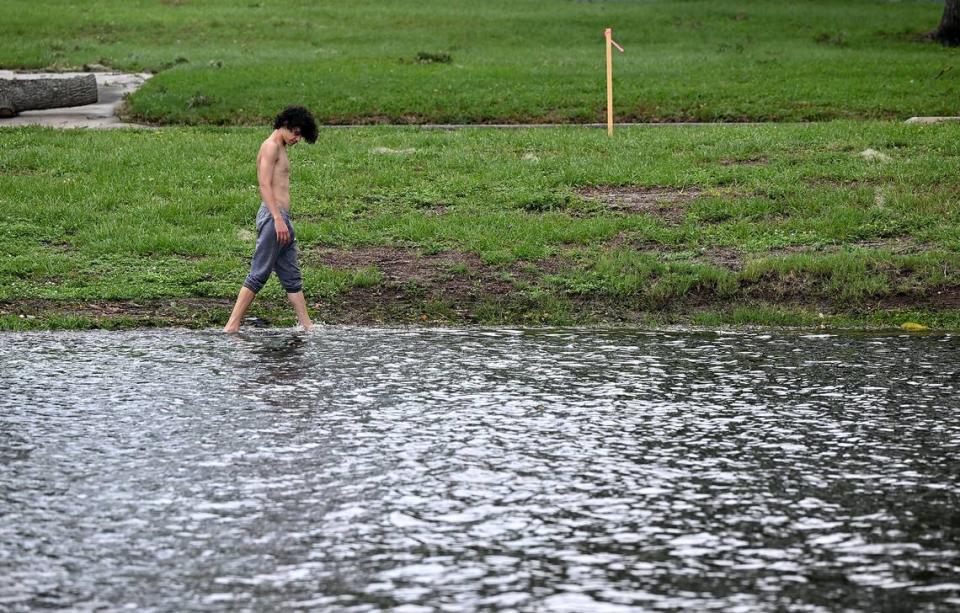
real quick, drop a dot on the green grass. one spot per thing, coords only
(161, 216)
(229, 62)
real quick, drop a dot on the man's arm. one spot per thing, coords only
(269, 154)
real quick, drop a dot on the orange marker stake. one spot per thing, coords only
(608, 33)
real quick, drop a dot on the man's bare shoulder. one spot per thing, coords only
(269, 148)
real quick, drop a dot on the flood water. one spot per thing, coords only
(412, 470)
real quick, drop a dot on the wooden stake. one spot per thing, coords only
(608, 34)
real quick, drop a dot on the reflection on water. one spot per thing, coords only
(459, 470)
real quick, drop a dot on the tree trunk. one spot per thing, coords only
(949, 31)
(18, 95)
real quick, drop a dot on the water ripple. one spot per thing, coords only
(361, 469)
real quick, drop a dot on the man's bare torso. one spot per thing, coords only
(280, 178)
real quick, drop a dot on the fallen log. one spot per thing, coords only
(17, 95)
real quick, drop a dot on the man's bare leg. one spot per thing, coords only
(244, 299)
(300, 306)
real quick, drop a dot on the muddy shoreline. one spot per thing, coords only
(395, 304)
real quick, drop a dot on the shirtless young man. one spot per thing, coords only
(276, 248)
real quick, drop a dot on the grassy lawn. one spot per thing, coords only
(230, 62)
(769, 224)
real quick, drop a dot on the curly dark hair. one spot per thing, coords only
(297, 117)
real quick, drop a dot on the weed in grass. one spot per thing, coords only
(540, 202)
(666, 203)
(838, 39)
(439, 310)
(199, 100)
(458, 268)
(432, 248)
(425, 57)
(367, 277)
(175, 62)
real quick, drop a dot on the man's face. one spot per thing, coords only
(291, 136)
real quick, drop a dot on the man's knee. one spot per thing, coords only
(292, 286)
(254, 283)
(288, 271)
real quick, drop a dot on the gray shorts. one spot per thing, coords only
(269, 256)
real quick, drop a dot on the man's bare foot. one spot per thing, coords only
(231, 329)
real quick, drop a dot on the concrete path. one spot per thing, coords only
(932, 119)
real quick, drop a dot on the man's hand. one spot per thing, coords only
(283, 233)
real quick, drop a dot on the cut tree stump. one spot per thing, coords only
(17, 95)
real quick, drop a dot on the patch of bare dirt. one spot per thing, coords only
(456, 282)
(399, 265)
(722, 257)
(57, 245)
(667, 203)
(942, 298)
(172, 311)
(901, 245)
(796, 292)
(897, 245)
(843, 183)
(450, 272)
(757, 161)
